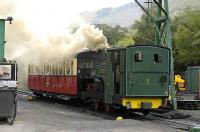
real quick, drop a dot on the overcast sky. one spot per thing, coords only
(53, 15)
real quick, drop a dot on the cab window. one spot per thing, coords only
(157, 58)
(138, 57)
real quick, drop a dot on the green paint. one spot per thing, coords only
(109, 85)
(158, 24)
(192, 78)
(115, 73)
(195, 129)
(136, 79)
(123, 73)
(2, 37)
(143, 78)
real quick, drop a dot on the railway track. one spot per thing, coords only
(194, 119)
(25, 93)
(182, 124)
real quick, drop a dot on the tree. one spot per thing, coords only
(126, 41)
(145, 31)
(113, 34)
(187, 37)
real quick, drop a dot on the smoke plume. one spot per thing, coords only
(24, 46)
(55, 47)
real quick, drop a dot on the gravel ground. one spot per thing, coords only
(38, 116)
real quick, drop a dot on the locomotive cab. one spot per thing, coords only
(147, 73)
(90, 83)
(137, 77)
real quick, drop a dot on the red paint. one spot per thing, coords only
(37, 80)
(47, 83)
(53, 84)
(61, 84)
(43, 79)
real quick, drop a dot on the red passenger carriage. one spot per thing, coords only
(54, 78)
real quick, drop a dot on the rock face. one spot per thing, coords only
(125, 15)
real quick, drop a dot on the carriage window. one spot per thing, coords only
(138, 57)
(157, 58)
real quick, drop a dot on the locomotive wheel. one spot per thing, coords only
(145, 112)
(107, 108)
(96, 106)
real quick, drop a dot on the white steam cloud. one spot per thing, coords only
(61, 46)
(24, 47)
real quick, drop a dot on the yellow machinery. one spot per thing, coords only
(179, 83)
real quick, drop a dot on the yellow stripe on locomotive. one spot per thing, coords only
(142, 103)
